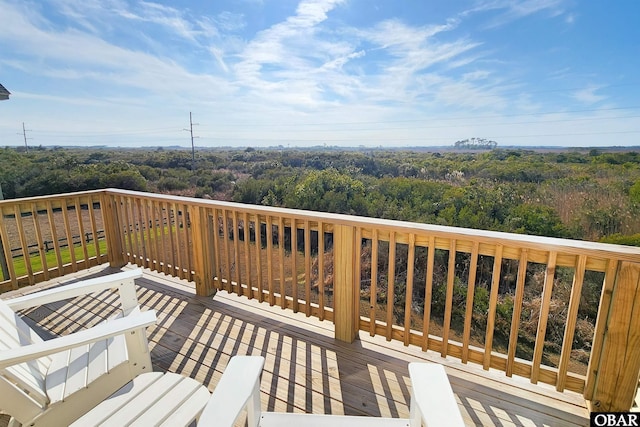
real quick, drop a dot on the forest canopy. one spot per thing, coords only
(578, 194)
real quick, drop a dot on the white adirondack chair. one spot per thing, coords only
(432, 402)
(170, 400)
(53, 382)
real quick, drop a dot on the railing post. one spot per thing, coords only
(202, 251)
(113, 231)
(345, 290)
(618, 369)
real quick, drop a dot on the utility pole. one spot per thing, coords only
(193, 148)
(3, 260)
(24, 135)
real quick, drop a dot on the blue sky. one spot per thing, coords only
(320, 72)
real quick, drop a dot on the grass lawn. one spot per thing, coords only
(65, 253)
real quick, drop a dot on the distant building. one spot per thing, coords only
(476, 144)
(4, 93)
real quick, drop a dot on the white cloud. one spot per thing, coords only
(588, 95)
(512, 10)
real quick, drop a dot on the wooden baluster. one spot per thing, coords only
(41, 249)
(428, 293)
(570, 323)
(6, 245)
(258, 242)
(411, 256)
(235, 234)
(217, 249)
(281, 255)
(373, 290)
(269, 236)
(94, 227)
(294, 264)
(517, 312)
(247, 255)
(307, 267)
(544, 316)
(493, 303)
(448, 305)
(321, 301)
(601, 326)
(69, 235)
(391, 279)
(468, 316)
(80, 220)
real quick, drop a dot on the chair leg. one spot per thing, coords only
(253, 406)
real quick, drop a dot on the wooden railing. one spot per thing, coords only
(515, 303)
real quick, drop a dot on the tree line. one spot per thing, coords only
(578, 194)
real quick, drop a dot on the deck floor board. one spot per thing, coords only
(306, 369)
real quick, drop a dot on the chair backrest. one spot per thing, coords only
(22, 386)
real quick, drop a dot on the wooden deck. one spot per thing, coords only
(306, 369)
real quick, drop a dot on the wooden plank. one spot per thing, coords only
(217, 249)
(164, 217)
(135, 231)
(357, 279)
(93, 223)
(294, 266)
(281, 256)
(4, 236)
(140, 234)
(411, 255)
(345, 294)
(178, 267)
(517, 312)
(307, 267)
(40, 241)
(428, 293)
(374, 283)
(54, 235)
(157, 232)
(269, 237)
(493, 302)
(600, 329)
(391, 281)
(235, 234)
(24, 245)
(321, 248)
(227, 252)
(448, 305)
(617, 381)
(150, 257)
(258, 263)
(202, 265)
(83, 242)
(247, 254)
(188, 244)
(570, 323)
(125, 220)
(544, 316)
(471, 286)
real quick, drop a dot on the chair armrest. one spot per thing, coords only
(123, 281)
(432, 400)
(238, 388)
(99, 332)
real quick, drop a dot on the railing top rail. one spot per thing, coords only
(539, 243)
(36, 199)
(567, 246)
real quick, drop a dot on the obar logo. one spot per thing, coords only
(621, 419)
